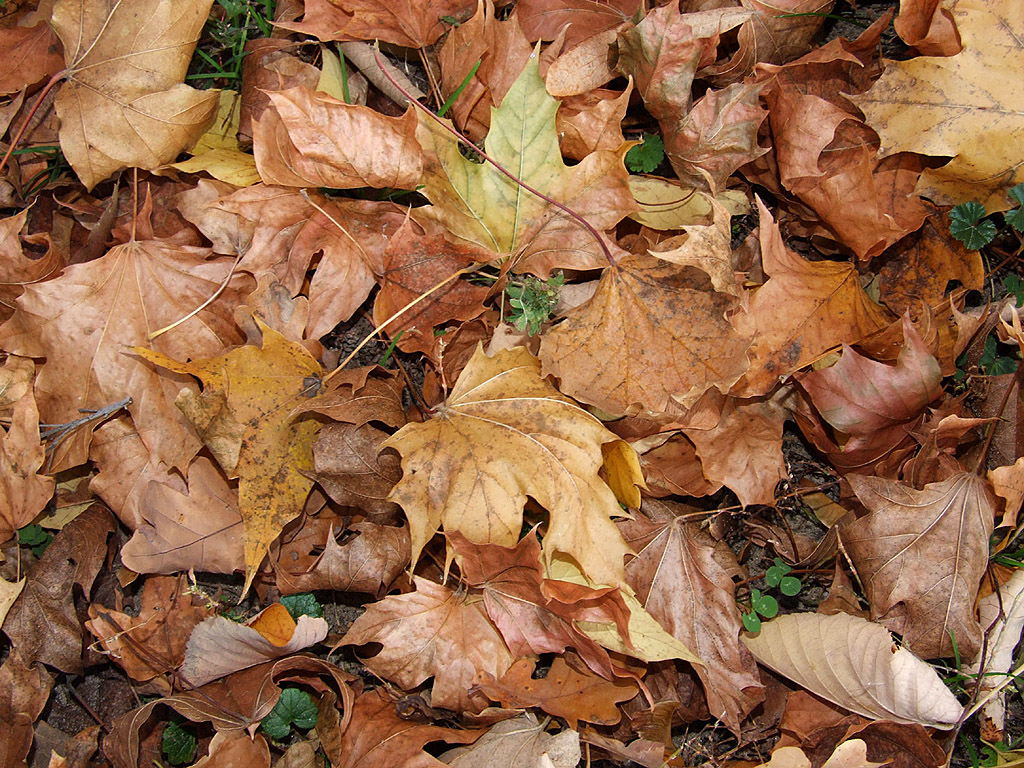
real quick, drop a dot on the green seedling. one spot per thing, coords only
(304, 604)
(532, 301)
(35, 537)
(295, 707)
(178, 744)
(646, 157)
(761, 606)
(777, 576)
(971, 225)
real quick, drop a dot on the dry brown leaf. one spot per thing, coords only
(407, 23)
(218, 646)
(309, 139)
(86, 321)
(520, 742)
(9, 592)
(851, 662)
(928, 26)
(349, 468)
(244, 415)
(23, 491)
(653, 335)
(31, 55)
(1008, 482)
(433, 632)
(124, 102)
(947, 106)
(505, 433)
(24, 690)
(198, 530)
(236, 748)
(824, 306)
(591, 122)
(43, 625)
(564, 691)
(921, 556)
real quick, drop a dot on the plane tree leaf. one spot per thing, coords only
(653, 333)
(921, 555)
(504, 434)
(433, 632)
(244, 416)
(947, 106)
(852, 662)
(124, 103)
(480, 205)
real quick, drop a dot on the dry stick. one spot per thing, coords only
(382, 74)
(465, 139)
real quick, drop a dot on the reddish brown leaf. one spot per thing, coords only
(921, 555)
(24, 690)
(408, 23)
(564, 691)
(31, 54)
(349, 468)
(433, 632)
(23, 492)
(683, 578)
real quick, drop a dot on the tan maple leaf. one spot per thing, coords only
(921, 555)
(124, 102)
(654, 333)
(504, 434)
(86, 321)
(433, 632)
(966, 106)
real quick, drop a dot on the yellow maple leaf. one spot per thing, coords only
(505, 433)
(244, 416)
(969, 106)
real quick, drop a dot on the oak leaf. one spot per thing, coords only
(244, 415)
(822, 305)
(852, 662)
(504, 434)
(86, 320)
(564, 692)
(683, 578)
(946, 106)
(478, 204)
(921, 555)
(654, 333)
(124, 102)
(433, 632)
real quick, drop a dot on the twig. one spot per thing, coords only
(383, 74)
(57, 432)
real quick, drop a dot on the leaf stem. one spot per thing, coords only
(28, 118)
(465, 139)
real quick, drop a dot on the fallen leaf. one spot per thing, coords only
(218, 646)
(310, 139)
(152, 643)
(24, 690)
(230, 748)
(376, 737)
(921, 555)
(123, 102)
(218, 152)
(1008, 482)
(9, 591)
(409, 23)
(946, 106)
(851, 662)
(348, 466)
(658, 358)
(520, 742)
(824, 307)
(683, 578)
(706, 247)
(505, 433)
(87, 319)
(564, 692)
(478, 204)
(43, 625)
(244, 416)
(198, 530)
(23, 491)
(32, 54)
(433, 632)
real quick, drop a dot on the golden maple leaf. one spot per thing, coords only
(504, 434)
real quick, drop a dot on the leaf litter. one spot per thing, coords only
(514, 523)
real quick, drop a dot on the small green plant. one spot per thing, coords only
(177, 744)
(304, 604)
(766, 606)
(532, 301)
(35, 537)
(295, 707)
(221, 49)
(646, 157)
(971, 225)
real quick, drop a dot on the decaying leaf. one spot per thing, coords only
(124, 103)
(503, 434)
(244, 415)
(520, 742)
(852, 662)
